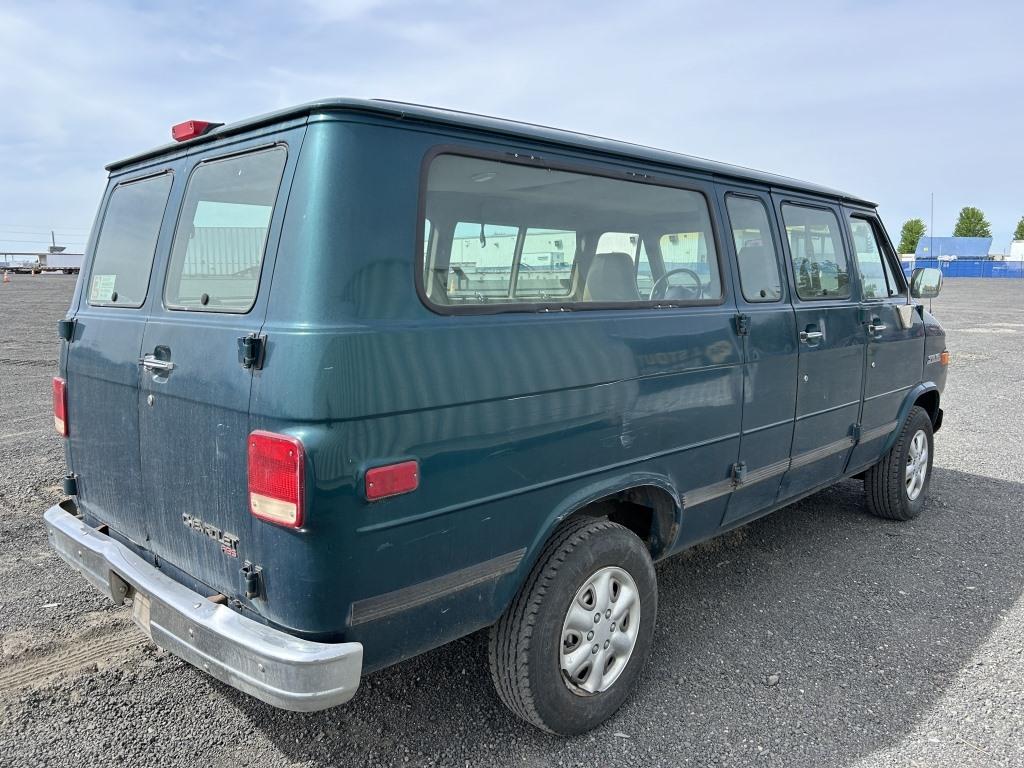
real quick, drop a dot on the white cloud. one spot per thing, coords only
(889, 99)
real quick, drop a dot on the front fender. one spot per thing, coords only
(908, 402)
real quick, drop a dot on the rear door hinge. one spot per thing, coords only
(742, 325)
(739, 472)
(252, 580)
(855, 432)
(251, 349)
(66, 329)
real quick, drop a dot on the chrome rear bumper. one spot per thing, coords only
(282, 670)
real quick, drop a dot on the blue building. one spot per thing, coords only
(948, 248)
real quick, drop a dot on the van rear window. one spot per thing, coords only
(127, 241)
(222, 233)
(506, 234)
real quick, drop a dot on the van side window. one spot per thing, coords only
(545, 266)
(877, 279)
(755, 249)
(222, 233)
(563, 238)
(816, 247)
(127, 242)
(428, 232)
(481, 260)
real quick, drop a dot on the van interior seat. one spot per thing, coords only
(760, 271)
(610, 277)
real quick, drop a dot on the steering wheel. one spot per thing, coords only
(661, 284)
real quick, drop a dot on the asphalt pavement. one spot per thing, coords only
(819, 636)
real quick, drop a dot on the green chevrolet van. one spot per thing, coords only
(345, 382)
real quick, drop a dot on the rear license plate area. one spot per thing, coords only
(140, 611)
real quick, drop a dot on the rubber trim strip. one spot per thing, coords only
(823, 452)
(883, 431)
(407, 598)
(707, 493)
(765, 472)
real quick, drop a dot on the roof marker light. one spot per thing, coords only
(190, 129)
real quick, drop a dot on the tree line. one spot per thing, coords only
(970, 223)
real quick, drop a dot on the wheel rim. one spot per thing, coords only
(599, 631)
(917, 464)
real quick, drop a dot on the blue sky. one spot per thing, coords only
(889, 100)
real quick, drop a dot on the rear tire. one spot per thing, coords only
(589, 566)
(897, 485)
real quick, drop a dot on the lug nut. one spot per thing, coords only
(606, 643)
(613, 626)
(597, 618)
(596, 648)
(590, 635)
(608, 613)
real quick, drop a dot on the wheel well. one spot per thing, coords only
(646, 510)
(930, 402)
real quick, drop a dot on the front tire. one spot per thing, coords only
(897, 485)
(571, 646)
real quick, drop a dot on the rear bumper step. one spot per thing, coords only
(278, 668)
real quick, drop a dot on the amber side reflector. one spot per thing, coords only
(944, 357)
(392, 480)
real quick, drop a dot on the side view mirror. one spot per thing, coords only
(925, 283)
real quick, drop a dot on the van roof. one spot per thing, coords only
(512, 128)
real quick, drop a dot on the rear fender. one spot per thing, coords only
(665, 526)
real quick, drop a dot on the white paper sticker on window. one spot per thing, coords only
(102, 288)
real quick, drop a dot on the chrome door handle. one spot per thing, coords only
(151, 363)
(806, 336)
(876, 327)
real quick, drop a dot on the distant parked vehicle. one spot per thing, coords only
(67, 263)
(320, 415)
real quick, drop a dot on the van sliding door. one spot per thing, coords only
(769, 348)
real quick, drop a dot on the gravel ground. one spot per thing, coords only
(816, 637)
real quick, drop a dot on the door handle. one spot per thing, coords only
(152, 363)
(808, 336)
(875, 327)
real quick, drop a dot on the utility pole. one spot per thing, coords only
(931, 230)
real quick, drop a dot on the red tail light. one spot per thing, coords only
(60, 406)
(276, 478)
(192, 128)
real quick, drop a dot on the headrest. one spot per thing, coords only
(610, 277)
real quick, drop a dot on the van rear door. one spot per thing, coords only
(102, 361)
(194, 393)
